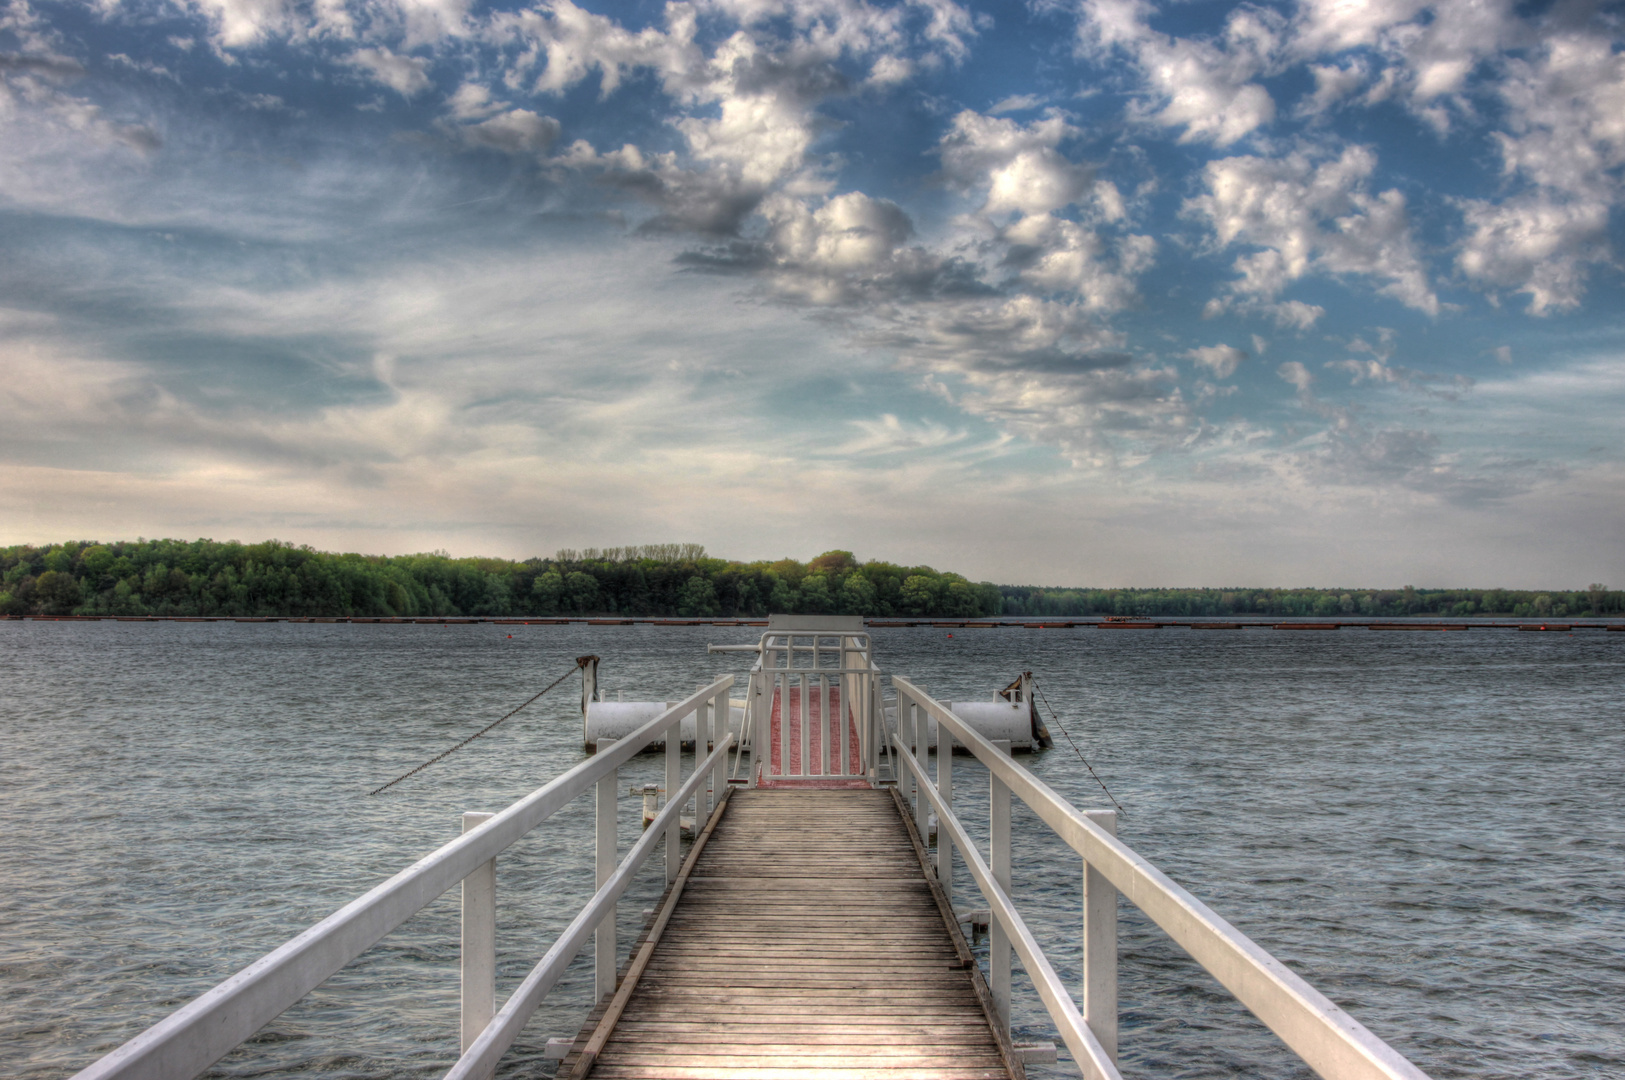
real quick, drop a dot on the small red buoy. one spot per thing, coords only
(510, 637)
(950, 635)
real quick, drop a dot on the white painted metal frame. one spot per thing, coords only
(204, 1030)
(792, 663)
(1329, 1040)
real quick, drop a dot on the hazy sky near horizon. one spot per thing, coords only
(1314, 292)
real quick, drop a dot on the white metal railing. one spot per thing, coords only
(1329, 1040)
(204, 1030)
(799, 669)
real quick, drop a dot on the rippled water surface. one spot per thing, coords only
(1429, 827)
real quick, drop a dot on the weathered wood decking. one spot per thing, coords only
(808, 944)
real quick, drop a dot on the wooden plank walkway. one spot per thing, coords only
(808, 944)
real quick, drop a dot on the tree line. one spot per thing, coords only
(207, 577)
(1380, 603)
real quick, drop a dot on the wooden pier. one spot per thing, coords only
(806, 935)
(805, 942)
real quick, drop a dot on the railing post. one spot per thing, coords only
(605, 861)
(874, 706)
(905, 721)
(945, 788)
(1100, 946)
(674, 780)
(753, 721)
(479, 944)
(700, 739)
(721, 715)
(922, 805)
(920, 747)
(998, 935)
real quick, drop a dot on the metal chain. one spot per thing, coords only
(478, 733)
(1075, 750)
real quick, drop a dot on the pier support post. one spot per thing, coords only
(479, 944)
(604, 936)
(1100, 946)
(674, 780)
(998, 935)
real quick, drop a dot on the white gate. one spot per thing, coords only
(813, 702)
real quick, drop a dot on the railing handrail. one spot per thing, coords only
(1329, 1040)
(210, 1026)
(481, 1058)
(1086, 1049)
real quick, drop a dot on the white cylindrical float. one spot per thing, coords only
(618, 719)
(993, 720)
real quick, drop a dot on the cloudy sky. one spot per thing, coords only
(1099, 292)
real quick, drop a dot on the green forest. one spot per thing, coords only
(207, 577)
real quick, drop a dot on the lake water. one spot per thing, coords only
(1430, 828)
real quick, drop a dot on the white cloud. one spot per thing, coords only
(516, 131)
(890, 435)
(891, 70)
(1294, 314)
(1566, 109)
(1295, 373)
(1311, 213)
(1025, 183)
(1017, 165)
(1038, 369)
(1377, 370)
(849, 232)
(1221, 360)
(1333, 84)
(569, 43)
(1015, 103)
(239, 23)
(748, 110)
(1428, 49)
(406, 75)
(1332, 26)
(1202, 86)
(1072, 259)
(473, 102)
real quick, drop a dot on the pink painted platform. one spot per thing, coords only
(820, 728)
